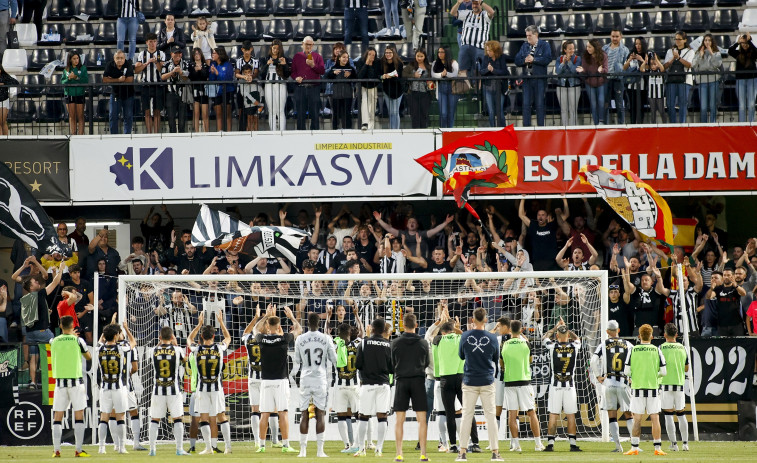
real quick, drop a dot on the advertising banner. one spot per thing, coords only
(40, 164)
(244, 167)
(669, 159)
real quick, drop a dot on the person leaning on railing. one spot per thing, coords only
(746, 75)
(708, 62)
(5, 80)
(120, 71)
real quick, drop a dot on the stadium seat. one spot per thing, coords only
(644, 4)
(749, 20)
(258, 7)
(27, 34)
(305, 27)
(316, 7)
(106, 33)
(263, 51)
(556, 5)
(672, 3)
(93, 8)
(54, 89)
(606, 22)
(337, 7)
(151, 8)
(97, 83)
(516, 26)
(522, 6)
(551, 25)
(615, 4)
(700, 3)
(293, 49)
(111, 9)
(286, 7)
(723, 41)
(40, 57)
(105, 56)
(250, 29)
(142, 29)
(731, 2)
(226, 31)
(660, 45)
(202, 8)
(579, 24)
(231, 8)
(23, 112)
(52, 110)
(80, 33)
(724, 20)
(61, 10)
(15, 61)
(406, 52)
(665, 21)
(695, 21)
(333, 29)
(586, 4)
(56, 28)
(279, 29)
(32, 86)
(636, 22)
(355, 50)
(103, 110)
(510, 49)
(178, 8)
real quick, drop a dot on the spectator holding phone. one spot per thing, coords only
(636, 82)
(745, 54)
(708, 62)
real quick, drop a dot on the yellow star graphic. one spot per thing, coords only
(128, 165)
(123, 160)
(35, 186)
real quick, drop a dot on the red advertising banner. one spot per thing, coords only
(670, 159)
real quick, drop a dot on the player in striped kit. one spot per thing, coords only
(673, 400)
(252, 346)
(563, 353)
(112, 360)
(610, 373)
(167, 358)
(313, 351)
(210, 399)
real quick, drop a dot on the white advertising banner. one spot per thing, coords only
(240, 166)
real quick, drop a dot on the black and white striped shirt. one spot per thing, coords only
(209, 366)
(614, 352)
(355, 4)
(656, 85)
(582, 266)
(330, 259)
(690, 298)
(150, 73)
(252, 346)
(254, 63)
(563, 358)
(173, 86)
(129, 8)
(166, 360)
(475, 28)
(131, 356)
(112, 361)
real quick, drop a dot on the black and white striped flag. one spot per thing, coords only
(217, 229)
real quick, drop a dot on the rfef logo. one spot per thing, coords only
(25, 420)
(148, 170)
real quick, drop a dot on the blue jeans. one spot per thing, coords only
(679, 93)
(430, 383)
(708, 99)
(468, 56)
(361, 15)
(393, 105)
(614, 88)
(122, 26)
(495, 105)
(534, 91)
(597, 103)
(745, 91)
(447, 105)
(392, 13)
(116, 106)
(33, 338)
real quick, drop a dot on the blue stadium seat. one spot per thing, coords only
(557, 5)
(23, 112)
(250, 29)
(724, 20)
(93, 8)
(231, 8)
(61, 10)
(579, 24)
(258, 7)
(522, 6)
(286, 7)
(333, 29)
(606, 22)
(226, 31)
(52, 110)
(551, 25)
(25, 91)
(516, 26)
(106, 33)
(77, 31)
(40, 57)
(178, 8)
(636, 22)
(279, 29)
(695, 21)
(199, 8)
(305, 27)
(665, 21)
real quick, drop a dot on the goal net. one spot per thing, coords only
(538, 299)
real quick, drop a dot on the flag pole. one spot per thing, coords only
(687, 345)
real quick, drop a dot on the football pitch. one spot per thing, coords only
(592, 452)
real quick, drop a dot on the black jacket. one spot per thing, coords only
(374, 360)
(366, 71)
(179, 39)
(409, 356)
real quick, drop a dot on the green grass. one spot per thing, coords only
(593, 452)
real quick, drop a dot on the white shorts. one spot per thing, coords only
(562, 399)
(131, 400)
(274, 395)
(499, 393)
(374, 399)
(162, 404)
(253, 390)
(75, 396)
(673, 400)
(439, 403)
(345, 397)
(617, 398)
(519, 398)
(193, 405)
(315, 392)
(210, 402)
(111, 400)
(641, 405)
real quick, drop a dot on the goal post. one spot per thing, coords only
(538, 299)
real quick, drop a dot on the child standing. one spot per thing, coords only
(203, 38)
(655, 68)
(250, 93)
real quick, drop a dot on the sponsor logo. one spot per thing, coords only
(144, 168)
(25, 420)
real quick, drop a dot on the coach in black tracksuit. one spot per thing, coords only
(410, 359)
(374, 363)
